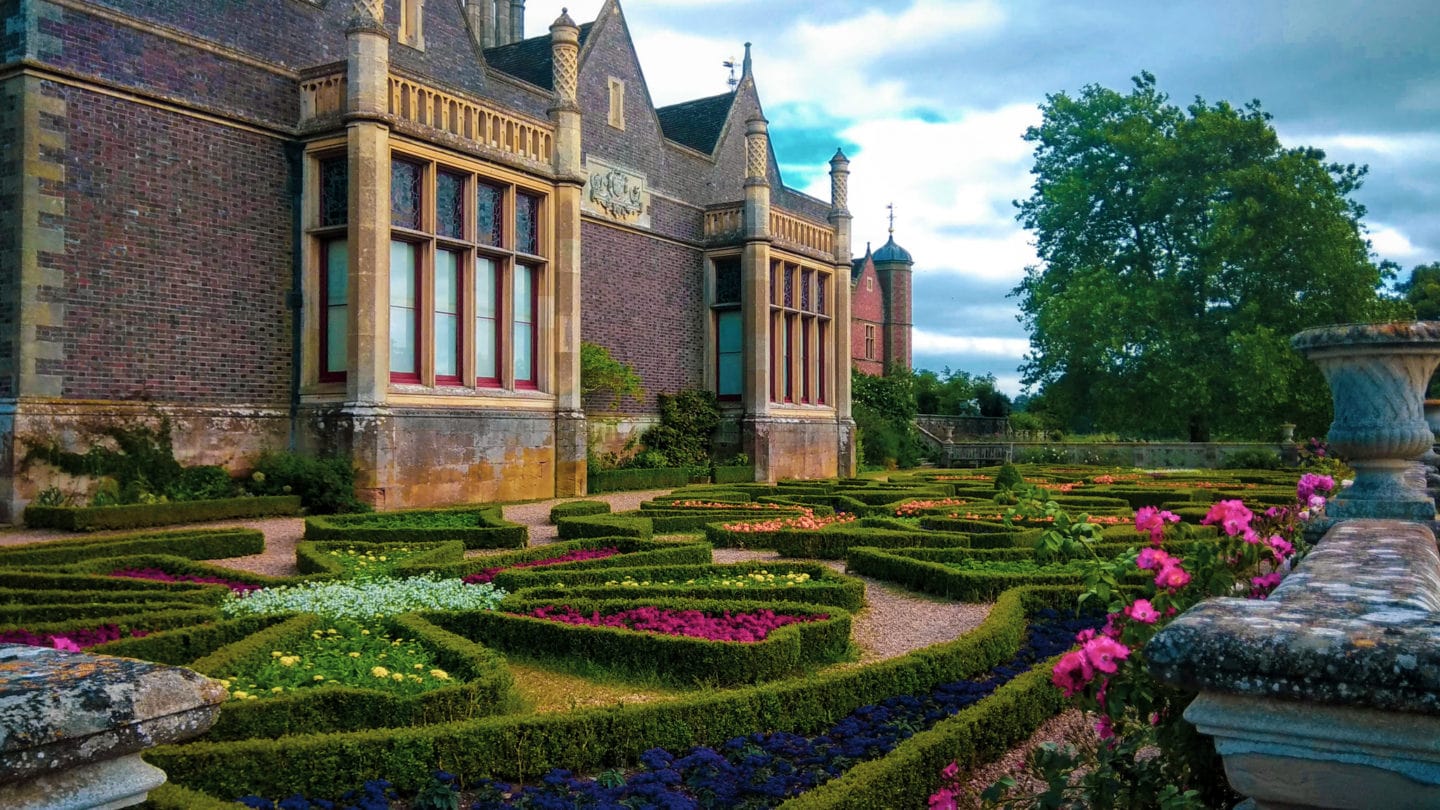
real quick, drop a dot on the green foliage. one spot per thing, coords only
(1422, 291)
(1253, 459)
(578, 508)
(884, 409)
(579, 527)
(1009, 477)
(200, 544)
(605, 380)
(957, 393)
(1180, 249)
(135, 516)
(631, 479)
(687, 425)
(325, 484)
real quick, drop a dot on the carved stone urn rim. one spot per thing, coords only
(1393, 334)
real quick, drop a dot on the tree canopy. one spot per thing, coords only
(1422, 291)
(1180, 249)
(958, 393)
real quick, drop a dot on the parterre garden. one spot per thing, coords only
(396, 666)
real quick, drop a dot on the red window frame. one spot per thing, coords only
(735, 397)
(497, 321)
(406, 376)
(822, 395)
(459, 313)
(533, 383)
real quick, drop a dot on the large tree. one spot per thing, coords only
(1180, 249)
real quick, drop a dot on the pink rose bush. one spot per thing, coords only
(1105, 674)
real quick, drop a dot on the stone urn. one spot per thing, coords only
(1287, 432)
(1378, 374)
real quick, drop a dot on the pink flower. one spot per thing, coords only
(1152, 520)
(63, 643)
(1152, 558)
(1280, 546)
(1105, 654)
(1250, 536)
(1072, 672)
(1316, 502)
(942, 799)
(1172, 576)
(1232, 516)
(951, 771)
(1103, 727)
(1142, 611)
(1265, 584)
(1085, 635)
(1312, 485)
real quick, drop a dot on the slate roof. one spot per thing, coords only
(891, 252)
(529, 59)
(696, 124)
(857, 266)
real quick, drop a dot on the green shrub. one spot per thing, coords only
(1253, 459)
(687, 424)
(825, 587)
(577, 508)
(476, 527)
(200, 544)
(1009, 477)
(736, 474)
(135, 516)
(633, 479)
(316, 558)
(576, 528)
(325, 484)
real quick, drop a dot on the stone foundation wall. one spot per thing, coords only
(796, 448)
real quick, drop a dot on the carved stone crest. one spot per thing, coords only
(616, 193)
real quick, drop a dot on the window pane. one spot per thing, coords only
(487, 365)
(820, 296)
(727, 281)
(527, 233)
(489, 208)
(447, 314)
(729, 362)
(402, 308)
(524, 334)
(790, 287)
(334, 191)
(337, 310)
(450, 205)
(805, 278)
(404, 194)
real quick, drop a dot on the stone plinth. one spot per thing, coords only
(1327, 695)
(72, 726)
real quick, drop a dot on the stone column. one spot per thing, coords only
(840, 220)
(570, 430)
(368, 374)
(517, 19)
(480, 14)
(502, 23)
(755, 297)
(75, 725)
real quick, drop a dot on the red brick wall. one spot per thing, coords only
(867, 306)
(178, 257)
(897, 318)
(641, 299)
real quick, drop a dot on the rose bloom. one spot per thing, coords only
(1172, 576)
(1152, 558)
(1072, 672)
(1142, 611)
(1105, 654)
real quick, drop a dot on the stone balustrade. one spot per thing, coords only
(72, 726)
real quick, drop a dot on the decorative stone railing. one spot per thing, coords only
(723, 224)
(418, 103)
(72, 726)
(1327, 694)
(796, 233)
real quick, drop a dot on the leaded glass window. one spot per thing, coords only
(527, 216)
(489, 214)
(820, 296)
(334, 192)
(405, 195)
(789, 286)
(806, 278)
(450, 205)
(727, 281)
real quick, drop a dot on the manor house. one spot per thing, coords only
(382, 228)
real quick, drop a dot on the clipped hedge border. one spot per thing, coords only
(578, 508)
(832, 542)
(827, 587)
(734, 474)
(203, 544)
(128, 617)
(578, 528)
(484, 686)
(171, 564)
(313, 557)
(679, 659)
(182, 645)
(933, 577)
(593, 739)
(492, 530)
(136, 516)
(623, 480)
(633, 551)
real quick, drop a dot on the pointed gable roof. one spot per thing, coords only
(857, 266)
(529, 60)
(698, 123)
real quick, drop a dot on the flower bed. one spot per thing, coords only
(741, 627)
(476, 527)
(813, 584)
(366, 560)
(578, 555)
(157, 575)
(74, 640)
(381, 596)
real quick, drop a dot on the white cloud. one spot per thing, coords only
(1390, 243)
(1365, 146)
(928, 342)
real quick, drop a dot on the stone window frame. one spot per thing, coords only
(716, 310)
(617, 103)
(328, 232)
(869, 341)
(411, 32)
(799, 328)
(319, 381)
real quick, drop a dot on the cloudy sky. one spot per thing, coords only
(929, 98)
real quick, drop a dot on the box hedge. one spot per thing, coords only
(577, 528)
(317, 558)
(734, 474)
(590, 740)
(831, 542)
(624, 480)
(476, 527)
(135, 516)
(633, 551)
(826, 587)
(678, 659)
(202, 544)
(578, 508)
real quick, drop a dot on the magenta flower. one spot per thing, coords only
(1103, 727)
(1142, 611)
(1311, 485)
(1105, 654)
(1152, 520)
(1072, 672)
(577, 555)
(1263, 585)
(63, 643)
(1281, 546)
(1172, 576)
(1152, 558)
(1232, 516)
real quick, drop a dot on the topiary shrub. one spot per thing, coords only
(1009, 477)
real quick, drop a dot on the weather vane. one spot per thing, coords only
(731, 64)
(891, 206)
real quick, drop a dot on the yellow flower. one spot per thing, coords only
(319, 677)
(226, 683)
(380, 672)
(397, 677)
(289, 660)
(251, 697)
(277, 689)
(382, 559)
(276, 653)
(439, 675)
(364, 632)
(239, 694)
(354, 655)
